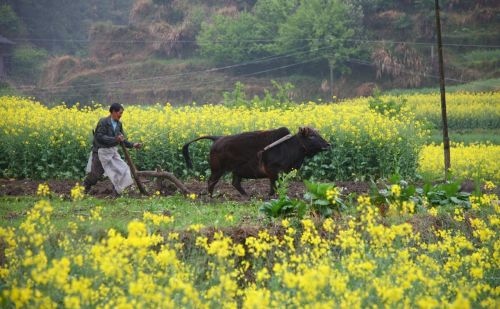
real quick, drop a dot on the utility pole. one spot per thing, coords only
(331, 81)
(446, 139)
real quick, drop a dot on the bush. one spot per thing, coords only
(27, 63)
(219, 40)
(389, 106)
(6, 89)
(10, 24)
(278, 97)
(487, 60)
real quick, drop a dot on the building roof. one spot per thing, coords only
(4, 40)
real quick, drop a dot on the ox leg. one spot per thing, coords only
(272, 184)
(212, 181)
(237, 184)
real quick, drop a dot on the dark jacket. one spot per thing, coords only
(105, 136)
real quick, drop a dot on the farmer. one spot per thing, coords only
(104, 157)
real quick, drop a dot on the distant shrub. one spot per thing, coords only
(27, 63)
(280, 95)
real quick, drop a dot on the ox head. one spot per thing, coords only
(312, 141)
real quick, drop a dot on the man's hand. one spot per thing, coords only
(120, 138)
(137, 145)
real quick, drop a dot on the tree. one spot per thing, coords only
(27, 63)
(61, 26)
(230, 39)
(249, 35)
(271, 14)
(10, 25)
(325, 29)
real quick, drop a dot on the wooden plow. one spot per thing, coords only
(159, 174)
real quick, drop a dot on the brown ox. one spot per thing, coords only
(246, 154)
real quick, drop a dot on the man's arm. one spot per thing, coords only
(101, 134)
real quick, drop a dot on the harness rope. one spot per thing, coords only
(281, 140)
(277, 142)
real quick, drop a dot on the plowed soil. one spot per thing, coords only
(258, 189)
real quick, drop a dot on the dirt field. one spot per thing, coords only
(223, 191)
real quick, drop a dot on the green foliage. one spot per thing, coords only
(482, 59)
(284, 206)
(10, 24)
(271, 15)
(467, 136)
(282, 97)
(396, 191)
(27, 63)
(63, 28)
(324, 29)
(278, 97)
(7, 90)
(487, 85)
(319, 29)
(230, 39)
(237, 97)
(404, 22)
(346, 159)
(389, 106)
(324, 198)
(447, 193)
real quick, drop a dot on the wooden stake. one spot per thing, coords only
(133, 170)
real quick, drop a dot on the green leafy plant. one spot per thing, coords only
(284, 206)
(237, 97)
(447, 193)
(396, 190)
(281, 98)
(27, 63)
(324, 198)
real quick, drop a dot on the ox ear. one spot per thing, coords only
(305, 131)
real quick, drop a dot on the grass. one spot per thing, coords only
(6, 90)
(188, 61)
(119, 212)
(466, 136)
(482, 59)
(486, 85)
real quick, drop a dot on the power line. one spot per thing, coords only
(116, 84)
(187, 85)
(363, 62)
(119, 91)
(124, 90)
(357, 40)
(265, 59)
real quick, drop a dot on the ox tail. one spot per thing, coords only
(185, 148)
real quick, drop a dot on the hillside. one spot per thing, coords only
(157, 51)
